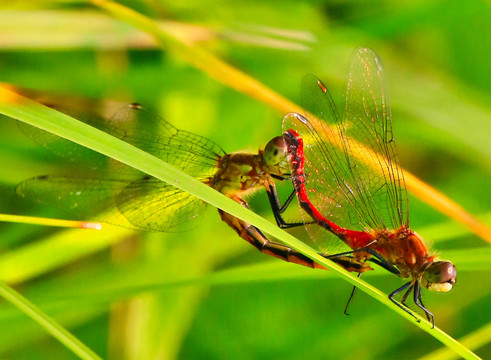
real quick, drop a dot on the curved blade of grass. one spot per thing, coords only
(45, 118)
(474, 340)
(51, 326)
(240, 81)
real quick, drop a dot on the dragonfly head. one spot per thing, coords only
(275, 157)
(440, 276)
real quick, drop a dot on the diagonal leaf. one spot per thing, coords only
(474, 340)
(51, 326)
(38, 115)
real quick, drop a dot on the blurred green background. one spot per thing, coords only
(206, 294)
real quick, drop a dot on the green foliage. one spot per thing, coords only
(138, 295)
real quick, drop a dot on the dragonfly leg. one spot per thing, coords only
(279, 209)
(419, 303)
(281, 178)
(350, 297)
(287, 202)
(397, 291)
(379, 260)
(404, 297)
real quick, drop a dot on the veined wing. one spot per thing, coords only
(195, 155)
(128, 198)
(368, 126)
(352, 173)
(145, 204)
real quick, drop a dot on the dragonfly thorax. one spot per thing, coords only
(239, 173)
(404, 249)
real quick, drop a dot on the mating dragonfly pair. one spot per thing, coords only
(345, 175)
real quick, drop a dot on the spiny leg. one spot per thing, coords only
(379, 260)
(382, 262)
(397, 291)
(421, 302)
(279, 209)
(287, 202)
(281, 178)
(350, 297)
(417, 299)
(272, 190)
(404, 297)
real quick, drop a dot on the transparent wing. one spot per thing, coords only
(368, 122)
(352, 173)
(67, 149)
(123, 196)
(194, 154)
(154, 205)
(145, 204)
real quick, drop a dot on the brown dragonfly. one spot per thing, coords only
(128, 198)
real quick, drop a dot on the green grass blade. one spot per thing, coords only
(62, 125)
(51, 326)
(474, 340)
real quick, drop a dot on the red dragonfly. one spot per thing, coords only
(348, 180)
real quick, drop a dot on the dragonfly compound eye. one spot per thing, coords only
(275, 156)
(440, 276)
